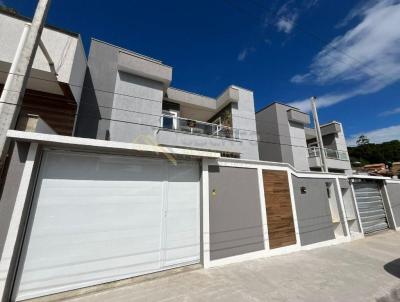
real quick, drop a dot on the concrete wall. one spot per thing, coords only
(268, 135)
(78, 70)
(235, 212)
(333, 164)
(137, 108)
(279, 139)
(123, 102)
(65, 49)
(299, 146)
(349, 206)
(97, 98)
(11, 186)
(393, 190)
(313, 211)
(243, 119)
(201, 142)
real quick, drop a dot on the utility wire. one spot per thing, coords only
(142, 98)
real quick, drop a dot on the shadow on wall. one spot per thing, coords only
(89, 112)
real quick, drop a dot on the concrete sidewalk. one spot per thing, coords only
(356, 271)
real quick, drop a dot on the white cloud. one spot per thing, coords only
(367, 56)
(288, 14)
(244, 53)
(286, 24)
(324, 101)
(377, 135)
(390, 112)
(310, 3)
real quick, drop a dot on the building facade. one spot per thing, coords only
(285, 136)
(130, 99)
(52, 94)
(149, 183)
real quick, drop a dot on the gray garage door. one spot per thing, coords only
(371, 208)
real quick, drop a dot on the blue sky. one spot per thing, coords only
(347, 53)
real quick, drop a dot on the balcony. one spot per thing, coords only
(329, 153)
(197, 127)
(336, 159)
(182, 132)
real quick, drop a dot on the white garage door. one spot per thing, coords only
(99, 218)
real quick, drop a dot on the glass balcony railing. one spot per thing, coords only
(329, 153)
(173, 122)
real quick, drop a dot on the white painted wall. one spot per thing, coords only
(341, 140)
(243, 118)
(65, 50)
(299, 146)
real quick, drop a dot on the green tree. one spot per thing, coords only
(370, 153)
(362, 140)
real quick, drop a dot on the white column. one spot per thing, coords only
(16, 217)
(356, 205)
(346, 225)
(294, 210)
(206, 214)
(264, 217)
(387, 198)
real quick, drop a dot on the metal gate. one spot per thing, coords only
(101, 218)
(370, 206)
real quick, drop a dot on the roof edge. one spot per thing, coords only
(48, 26)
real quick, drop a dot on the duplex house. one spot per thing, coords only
(106, 206)
(53, 88)
(285, 136)
(128, 97)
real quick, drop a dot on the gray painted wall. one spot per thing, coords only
(344, 183)
(141, 102)
(122, 101)
(97, 98)
(182, 139)
(393, 190)
(243, 118)
(279, 139)
(11, 186)
(269, 146)
(235, 212)
(313, 212)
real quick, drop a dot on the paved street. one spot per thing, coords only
(348, 272)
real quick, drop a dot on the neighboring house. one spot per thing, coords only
(285, 136)
(128, 98)
(54, 95)
(335, 148)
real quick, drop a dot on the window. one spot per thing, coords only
(170, 119)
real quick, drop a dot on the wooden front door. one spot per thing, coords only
(281, 229)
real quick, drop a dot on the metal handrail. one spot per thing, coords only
(330, 153)
(169, 121)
